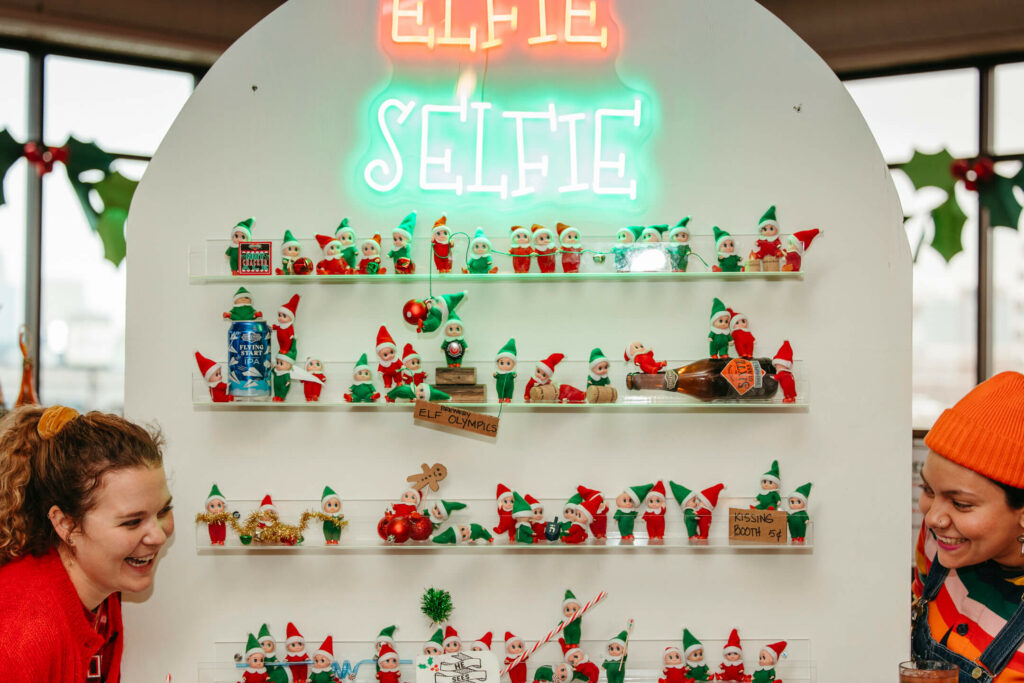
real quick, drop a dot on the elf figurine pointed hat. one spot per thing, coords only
(784, 358)
(501, 492)
(679, 492)
(374, 240)
(570, 648)
(516, 230)
(569, 598)
(485, 641)
(343, 227)
(267, 505)
(361, 364)
(509, 636)
(437, 638)
(776, 650)
(508, 350)
(709, 496)
(447, 507)
(589, 506)
(440, 223)
(732, 646)
(449, 302)
(801, 240)
(387, 635)
(538, 229)
(479, 237)
(690, 643)
(409, 353)
(638, 493)
(384, 340)
(264, 634)
(292, 635)
(325, 241)
(246, 227)
(802, 492)
(534, 503)
(450, 535)
(328, 493)
(327, 648)
(718, 310)
(773, 473)
(551, 362)
(658, 488)
(655, 231)
(289, 355)
(252, 646)
(621, 638)
(215, 494)
(520, 508)
(407, 225)
(681, 226)
(291, 307)
(387, 652)
(289, 240)
(565, 231)
(720, 236)
(242, 293)
(768, 218)
(206, 366)
(596, 356)
(450, 636)
(478, 533)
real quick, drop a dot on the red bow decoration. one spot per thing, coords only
(981, 171)
(43, 158)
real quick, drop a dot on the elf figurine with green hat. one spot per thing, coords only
(678, 247)
(242, 308)
(522, 514)
(285, 326)
(569, 240)
(614, 663)
(461, 533)
(434, 646)
(441, 510)
(216, 504)
(480, 262)
(543, 248)
(291, 250)
(505, 371)
(573, 530)
(283, 373)
(652, 234)
(454, 343)
(333, 263)
(697, 508)
(627, 505)
(369, 264)
(720, 334)
(421, 392)
(769, 498)
(428, 315)
(768, 244)
(520, 249)
(385, 637)
(693, 653)
(441, 245)
(599, 367)
(362, 389)
(401, 238)
(277, 674)
(623, 249)
(347, 237)
(571, 606)
(330, 503)
(323, 660)
(725, 247)
(256, 672)
(555, 673)
(797, 518)
(242, 232)
(766, 661)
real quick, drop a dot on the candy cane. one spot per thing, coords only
(552, 633)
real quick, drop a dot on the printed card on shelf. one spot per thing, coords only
(475, 666)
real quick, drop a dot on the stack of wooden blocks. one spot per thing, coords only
(460, 384)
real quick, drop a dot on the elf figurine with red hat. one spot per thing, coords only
(783, 363)
(731, 668)
(769, 498)
(768, 244)
(285, 326)
(741, 337)
(347, 236)
(295, 646)
(544, 248)
(408, 503)
(725, 248)
(678, 246)
(654, 515)
(505, 371)
(719, 335)
(515, 646)
(623, 249)
(481, 262)
(454, 343)
(593, 503)
(522, 514)
(291, 251)
(797, 518)
(256, 672)
(401, 238)
(693, 653)
(766, 661)
(283, 373)
(580, 512)
(483, 644)
(242, 232)
(542, 373)
(214, 379)
(643, 358)
(569, 240)
(616, 654)
(537, 522)
(522, 252)
(573, 631)
(267, 514)
(362, 389)
(451, 643)
(313, 383)
(675, 669)
(697, 508)
(799, 243)
(369, 264)
(216, 504)
(389, 365)
(387, 662)
(441, 245)
(627, 506)
(385, 637)
(506, 501)
(412, 367)
(578, 660)
(242, 308)
(333, 262)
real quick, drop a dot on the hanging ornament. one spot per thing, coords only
(436, 604)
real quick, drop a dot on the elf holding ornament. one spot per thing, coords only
(277, 674)
(401, 238)
(542, 373)
(643, 358)
(594, 501)
(242, 232)
(369, 250)
(362, 389)
(480, 263)
(429, 314)
(412, 367)
(441, 245)
(285, 327)
(766, 661)
(627, 506)
(614, 663)
(768, 244)
(623, 249)
(242, 308)
(769, 498)
(599, 367)
(505, 371)
(537, 519)
(505, 501)
(569, 240)
(215, 505)
(214, 379)
(311, 388)
(693, 653)
(741, 337)
(388, 662)
(731, 668)
(675, 669)
(544, 248)
(799, 243)
(719, 335)
(256, 672)
(725, 248)
(454, 344)
(678, 247)
(515, 646)
(797, 518)
(330, 503)
(283, 373)
(573, 631)
(291, 251)
(654, 515)
(390, 365)
(333, 262)
(522, 514)
(295, 645)
(347, 237)
(783, 362)
(578, 660)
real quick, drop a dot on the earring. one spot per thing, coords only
(1020, 539)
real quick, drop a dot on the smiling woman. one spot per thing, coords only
(85, 511)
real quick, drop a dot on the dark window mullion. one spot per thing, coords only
(34, 212)
(986, 119)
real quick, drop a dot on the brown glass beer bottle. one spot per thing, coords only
(715, 379)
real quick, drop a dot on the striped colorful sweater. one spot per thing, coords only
(982, 597)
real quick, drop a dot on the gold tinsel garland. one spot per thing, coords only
(265, 528)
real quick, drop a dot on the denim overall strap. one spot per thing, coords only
(933, 582)
(999, 652)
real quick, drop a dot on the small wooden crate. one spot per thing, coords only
(455, 376)
(465, 393)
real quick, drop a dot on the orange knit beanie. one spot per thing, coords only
(984, 431)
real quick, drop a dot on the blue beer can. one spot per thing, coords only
(249, 359)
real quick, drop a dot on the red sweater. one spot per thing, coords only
(44, 634)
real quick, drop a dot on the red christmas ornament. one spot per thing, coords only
(302, 266)
(382, 527)
(421, 528)
(414, 312)
(399, 530)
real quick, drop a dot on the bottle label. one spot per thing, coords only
(743, 375)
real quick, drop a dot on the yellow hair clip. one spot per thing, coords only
(53, 420)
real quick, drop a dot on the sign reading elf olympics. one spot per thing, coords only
(505, 100)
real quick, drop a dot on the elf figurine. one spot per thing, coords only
(506, 523)
(313, 384)
(295, 645)
(422, 392)
(242, 308)
(362, 389)
(256, 672)
(719, 335)
(741, 337)
(731, 668)
(643, 358)
(242, 232)
(283, 373)
(369, 264)
(675, 669)
(505, 371)
(441, 510)
(276, 674)
(401, 238)
(214, 379)
(454, 343)
(593, 500)
(797, 518)
(783, 362)
(441, 245)
(557, 673)
(522, 254)
(461, 533)
(515, 646)
(578, 660)
(654, 515)
(433, 646)
(766, 661)
(330, 503)
(333, 262)
(385, 637)
(799, 242)
(389, 365)
(678, 247)
(215, 505)
(412, 367)
(267, 514)
(537, 522)
(614, 663)
(323, 659)
(598, 369)
(483, 644)
(697, 508)
(693, 653)
(725, 248)
(429, 314)
(481, 262)
(573, 631)
(522, 514)
(569, 240)
(622, 251)
(768, 244)
(544, 248)
(653, 234)
(627, 506)
(285, 327)
(579, 513)
(542, 373)
(388, 662)
(769, 498)
(291, 251)
(409, 502)
(347, 237)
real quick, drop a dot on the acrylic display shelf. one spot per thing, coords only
(644, 665)
(339, 378)
(362, 515)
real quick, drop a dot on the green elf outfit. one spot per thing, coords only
(232, 251)
(679, 254)
(444, 510)
(386, 635)
(454, 360)
(766, 674)
(480, 265)
(574, 502)
(729, 263)
(404, 229)
(451, 537)
(719, 339)
(362, 392)
(769, 499)
(522, 512)
(243, 311)
(615, 667)
(327, 675)
(797, 520)
(277, 674)
(288, 262)
(283, 378)
(622, 249)
(682, 494)
(572, 631)
(653, 231)
(423, 392)
(690, 645)
(625, 519)
(597, 356)
(546, 674)
(349, 253)
(441, 308)
(332, 526)
(436, 639)
(505, 380)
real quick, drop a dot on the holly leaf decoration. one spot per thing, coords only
(116, 191)
(949, 225)
(82, 157)
(10, 151)
(931, 170)
(997, 196)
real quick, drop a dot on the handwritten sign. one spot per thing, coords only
(455, 418)
(757, 526)
(473, 666)
(254, 258)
